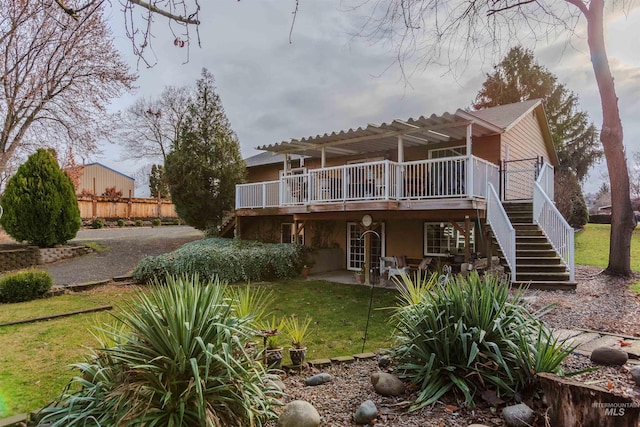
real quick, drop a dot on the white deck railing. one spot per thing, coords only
(505, 234)
(382, 180)
(551, 221)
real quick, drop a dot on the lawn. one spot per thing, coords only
(35, 357)
(592, 246)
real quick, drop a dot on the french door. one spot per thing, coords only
(355, 247)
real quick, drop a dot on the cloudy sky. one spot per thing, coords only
(330, 80)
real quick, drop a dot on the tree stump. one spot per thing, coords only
(573, 403)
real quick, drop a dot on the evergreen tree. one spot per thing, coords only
(205, 165)
(518, 77)
(40, 204)
(158, 182)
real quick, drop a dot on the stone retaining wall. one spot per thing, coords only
(17, 258)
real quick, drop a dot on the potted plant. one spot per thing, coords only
(305, 271)
(296, 330)
(360, 275)
(272, 340)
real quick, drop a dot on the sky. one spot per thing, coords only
(329, 79)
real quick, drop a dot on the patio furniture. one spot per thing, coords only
(393, 266)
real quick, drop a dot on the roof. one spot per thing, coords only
(415, 132)
(107, 167)
(267, 158)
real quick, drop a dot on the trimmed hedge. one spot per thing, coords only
(24, 285)
(231, 260)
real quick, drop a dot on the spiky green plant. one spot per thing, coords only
(250, 301)
(178, 358)
(296, 330)
(470, 335)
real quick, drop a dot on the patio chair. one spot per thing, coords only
(393, 266)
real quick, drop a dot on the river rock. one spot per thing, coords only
(366, 412)
(384, 361)
(318, 379)
(635, 374)
(609, 356)
(387, 384)
(519, 415)
(299, 413)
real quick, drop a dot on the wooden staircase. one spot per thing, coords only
(228, 226)
(537, 263)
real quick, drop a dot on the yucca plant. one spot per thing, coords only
(178, 358)
(471, 334)
(250, 301)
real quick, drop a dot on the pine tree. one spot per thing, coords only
(158, 182)
(205, 165)
(40, 204)
(518, 77)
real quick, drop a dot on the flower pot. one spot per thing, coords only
(360, 277)
(273, 357)
(297, 355)
(305, 272)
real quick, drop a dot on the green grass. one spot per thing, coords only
(592, 246)
(35, 357)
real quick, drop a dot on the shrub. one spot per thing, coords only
(97, 223)
(600, 219)
(470, 334)
(24, 285)
(120, 222)
(138, 223)
(177, 359)
(156, 222)
(231, 260)
(40, 204)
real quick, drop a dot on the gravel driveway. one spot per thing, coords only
(124, 248)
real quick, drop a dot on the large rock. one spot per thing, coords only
(609, 356)
(299, 414)
(318, 379)
(387, 384)
(366, 412)
(519, 415)
(635, 374)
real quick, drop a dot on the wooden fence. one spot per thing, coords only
(125, 208)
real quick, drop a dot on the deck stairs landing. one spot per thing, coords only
(537, 263)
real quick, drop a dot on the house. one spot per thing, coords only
(451, 186)
(95, 178)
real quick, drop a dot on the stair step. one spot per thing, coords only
(565, 285)
(533, 246)
(532, 253)
(548, 277)
(529, 239)
(555, 260)
(535, 268)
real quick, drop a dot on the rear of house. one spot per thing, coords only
(433, 187)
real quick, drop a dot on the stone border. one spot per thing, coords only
(23, 256)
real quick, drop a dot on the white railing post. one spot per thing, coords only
(469, 173)
(558, 231)
(264, 194)
(505, 234)
(387, 179)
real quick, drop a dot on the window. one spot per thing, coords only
(442, 238)
(440, 153)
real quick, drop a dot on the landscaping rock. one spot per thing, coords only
(609, 356)
(299, 413)
(635, 374)
(519, 415)
(387, 384)
(366, 412)
(384, 361)
(318, 379)
(477, 425)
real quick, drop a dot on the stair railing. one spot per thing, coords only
(558, 231)
(505, 234)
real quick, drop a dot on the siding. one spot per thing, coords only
(96, 178)
(525, 140)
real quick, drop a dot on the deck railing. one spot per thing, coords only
(501, 226)
(551, 221)
(450, 177)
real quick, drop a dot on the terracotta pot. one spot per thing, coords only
(305, 271)
(297, 355)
